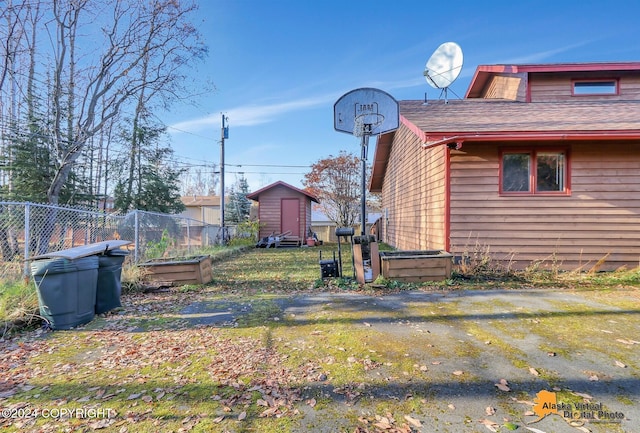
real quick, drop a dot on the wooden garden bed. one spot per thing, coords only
(416, 266)
(178, 271)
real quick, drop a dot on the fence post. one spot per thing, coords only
(27, 237)
(136, 234)
(188, 236)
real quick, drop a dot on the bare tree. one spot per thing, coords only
(146, 46)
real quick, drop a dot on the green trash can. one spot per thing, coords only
(109, 285)
(66, 290)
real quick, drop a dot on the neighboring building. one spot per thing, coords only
(326, 229)
(536, 163)
(106, 204)
(205, 208)
(283, 208)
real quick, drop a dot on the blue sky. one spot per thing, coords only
(280, 65)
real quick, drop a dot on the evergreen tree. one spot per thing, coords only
(152, 184)
(238, 208)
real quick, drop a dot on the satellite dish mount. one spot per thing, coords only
(365, 112)
(443, 67)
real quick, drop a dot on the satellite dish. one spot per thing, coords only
(444, 66)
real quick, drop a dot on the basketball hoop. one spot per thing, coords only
(361, 112)
(367, 124)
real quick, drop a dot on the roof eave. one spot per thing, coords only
(534, 136)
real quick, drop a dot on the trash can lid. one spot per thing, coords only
(61, 265)
(84, 250)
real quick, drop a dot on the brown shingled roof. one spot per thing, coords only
(457, 121)
(437, 119)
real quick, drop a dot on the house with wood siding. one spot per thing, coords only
(537, 163)
(205, 208)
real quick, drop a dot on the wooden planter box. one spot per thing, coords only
(416, 266)
(179, 271)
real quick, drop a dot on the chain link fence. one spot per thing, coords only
(29, 229)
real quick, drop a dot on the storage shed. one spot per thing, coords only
(283, 208)
(537, 164)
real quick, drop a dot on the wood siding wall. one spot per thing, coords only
(414, 194)
(600, 219)
(270, 208)
(558, 87)
(512, 87)
(208, 215)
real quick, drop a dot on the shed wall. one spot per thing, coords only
(414, 194)
(599, 220)
(270, 210)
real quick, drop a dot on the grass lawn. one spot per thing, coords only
(301, 354)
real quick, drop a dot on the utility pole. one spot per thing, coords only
(224, 133)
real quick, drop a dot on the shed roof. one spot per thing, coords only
(256, 194)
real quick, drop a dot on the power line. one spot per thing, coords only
(268, 165)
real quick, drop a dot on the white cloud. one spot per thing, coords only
(251, 115)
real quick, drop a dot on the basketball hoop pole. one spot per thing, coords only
(363, 199)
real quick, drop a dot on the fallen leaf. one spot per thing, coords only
(490, 410)
(147, 399)
(452, 407)
(242, 416)
(534, 371)
(367, 324)
(503, 385)
(491, 425)
(413, 421)
(620, 364)
(311, 402)
(511, 426)
(458, 373)
(218, 419)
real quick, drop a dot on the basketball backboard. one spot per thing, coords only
(366, 111)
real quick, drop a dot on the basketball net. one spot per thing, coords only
(367, 124)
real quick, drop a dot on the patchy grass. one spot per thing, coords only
(342, 364)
